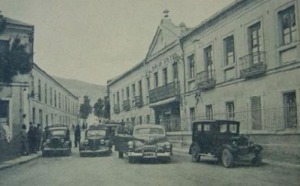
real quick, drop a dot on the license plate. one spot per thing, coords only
(149, 154)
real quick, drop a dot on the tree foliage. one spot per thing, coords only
(106, 111)
(99, 108)
(14, 60)
(85, 108)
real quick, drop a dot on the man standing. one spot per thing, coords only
(24, 142)
(77, 135)
(39, 132)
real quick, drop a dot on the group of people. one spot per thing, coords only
(31, 140)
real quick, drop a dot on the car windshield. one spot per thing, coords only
(96, 133)
(147, 131)
(232, 128)
(57, 132)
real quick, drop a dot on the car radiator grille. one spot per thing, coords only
(94, 144)
(55, 142)
(149, 148)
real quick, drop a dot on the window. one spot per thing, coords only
(4, 112)
(148, 83)
(118, 98)
(114, 99)
(209, 112)
(41, 117)
(46, 94)
(140, 89)
(287, 19)
(51, 96)
(33, 115)
(148, 118)
(123, 95)
(59, 101)
(127, 93)
(141, 120)
(256, 112)
(192, 114)
(165, 76)
(229, 50)
(39, 90)
(175, 71)
(290, 109)
(55, 104)
(255, 42)
(230, 110)
(133, 90)
(155, 79)
(191, 66)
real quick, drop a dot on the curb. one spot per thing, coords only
(18, 161)
(266, 161)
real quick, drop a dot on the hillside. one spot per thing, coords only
(81, 88)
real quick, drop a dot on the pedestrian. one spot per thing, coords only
(77, 135)
(24, 141)
(39, 134)
(31, 136)
(46, 133)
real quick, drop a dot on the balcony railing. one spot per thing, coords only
(206, 79)
(116, 108)
(253, 64)
(138, 101)
(126, 105)
(164, 92)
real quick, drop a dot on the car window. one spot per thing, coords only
(199, 128)
(206, 127)
(223, 128)
(149, 131)
(58, 132)
(233, 128)
(93, 133)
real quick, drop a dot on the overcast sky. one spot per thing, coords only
(96, 40)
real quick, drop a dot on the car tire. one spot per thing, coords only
(256, 161)
(227, 158)
(131, 159)
(121, 155)
(195, 153)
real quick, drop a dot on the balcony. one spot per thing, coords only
(253, 64)
(126, 105)
(116, 108)
(164, 92)
(206, 80)
(138, 101)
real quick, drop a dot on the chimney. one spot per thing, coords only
(166, 12)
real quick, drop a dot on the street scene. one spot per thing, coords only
(160, 92)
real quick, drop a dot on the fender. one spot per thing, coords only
(229, 147)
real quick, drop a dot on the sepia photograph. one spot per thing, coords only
(149, 92)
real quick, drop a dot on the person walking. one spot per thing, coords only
(31, 136)
(39, 134)
(77, 135)
(24, 141)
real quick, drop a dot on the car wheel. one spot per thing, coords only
(195, 153)
(227, 158)
(131, 159)
(121, 155)
(44, 154)
(256, 161)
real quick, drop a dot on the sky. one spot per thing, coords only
(97, 40)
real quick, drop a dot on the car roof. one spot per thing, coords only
(148, 126)
(58, 126)
(215, 121)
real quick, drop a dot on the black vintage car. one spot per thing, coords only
(149, 142)
(221, 139)
(57, 141)
(96, 142)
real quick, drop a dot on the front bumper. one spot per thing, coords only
(98, 151)
(55, 150)
(149, 155)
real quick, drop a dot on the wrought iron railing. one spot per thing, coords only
(253, 64)
(126, 105)
(138, 101)
(206, 79)
(167, 91)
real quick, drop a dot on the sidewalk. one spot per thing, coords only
(184, 151)
(19, 160)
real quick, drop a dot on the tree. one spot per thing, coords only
(99, 108)
(106, 110)
(14, 60)
(85, 108)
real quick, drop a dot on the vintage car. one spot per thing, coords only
(221, 139)
(96, 141)
(57, 141)
(149, 142)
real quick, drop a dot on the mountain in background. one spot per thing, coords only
(81, 88)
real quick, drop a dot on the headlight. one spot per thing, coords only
(62, 140)
(168, 145)
(48, 141)
(86, 142)
(234, 143)
(102, 141)
(130, 144)
(107, 142)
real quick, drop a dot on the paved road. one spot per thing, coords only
(90, 171)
